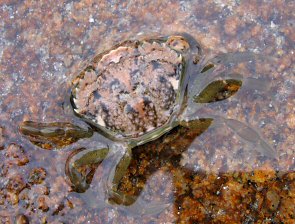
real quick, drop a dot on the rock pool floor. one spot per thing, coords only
(216, 178)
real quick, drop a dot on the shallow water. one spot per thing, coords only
(217, 176)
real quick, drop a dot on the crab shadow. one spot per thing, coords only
(155, 178)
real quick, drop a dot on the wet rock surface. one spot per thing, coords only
(215, 179)
(1, 138)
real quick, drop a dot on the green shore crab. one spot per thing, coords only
(135, 93)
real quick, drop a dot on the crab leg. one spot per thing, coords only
(220, 67)
(113, 163)
(53, 135)
(250, 136)
(235, 58)
(119, 166)
(202, 79)
(246, 133)
(142, 207)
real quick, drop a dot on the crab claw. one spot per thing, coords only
(53, 135)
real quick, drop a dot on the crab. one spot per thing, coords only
(134, 94)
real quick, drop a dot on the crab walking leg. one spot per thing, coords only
(202, 81)
(53, 135)
(116, 167)
(239, 57)
(235, 58)
(80, 158)
(250, 136)
(250, 83)
(256, 84)
(119, 169)
(198, 80)
(234, 81)
(135, 205)
(120, 159)
(104, 187)
(245, 132)
(140, 207)
(221, 68)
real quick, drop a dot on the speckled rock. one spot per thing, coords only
(37, 175)
(16, 155)
(42, 44)
(1, 138)
(22, 219)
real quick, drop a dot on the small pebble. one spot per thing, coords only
(21, 219)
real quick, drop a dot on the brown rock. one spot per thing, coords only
(2, 198)
(12, 198)
(16, 184)
(1, 138)
(21, 219)
(231, 25)
(42, 205)
(261, 176)
(290, 120)
(59, 27)
(17, 155)
(37, 175)
(272, 200)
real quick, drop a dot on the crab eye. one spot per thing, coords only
(178, 43)
(218, 90)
